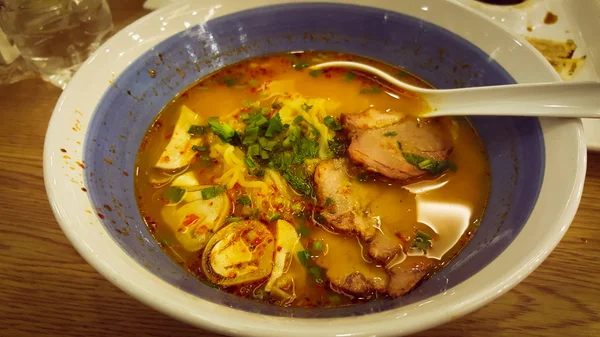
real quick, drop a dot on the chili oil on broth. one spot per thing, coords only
(447, 208)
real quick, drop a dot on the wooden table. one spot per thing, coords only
(47, 289)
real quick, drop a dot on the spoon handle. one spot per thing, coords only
(570, 99)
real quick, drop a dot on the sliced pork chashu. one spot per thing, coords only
(346, 214)
(380, 138)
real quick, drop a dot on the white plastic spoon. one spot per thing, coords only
(569, 99)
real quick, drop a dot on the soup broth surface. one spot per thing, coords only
(233, 180)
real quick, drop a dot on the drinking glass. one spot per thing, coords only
(56, 36)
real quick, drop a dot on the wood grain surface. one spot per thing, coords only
(47, 289)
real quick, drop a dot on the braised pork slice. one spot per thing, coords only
(370, 119)
(358, 285)
(344, 214)
(404, 278)
(380, 148)
(382, 248)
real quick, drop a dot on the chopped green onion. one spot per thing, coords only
(306, 107)
(259, 173)
(197, 130)
(337, 147)
(223, 130)
(231, 219)
(253, 150)
(164, 242)
(401, 74)
(174, 194)
(250, 135)
(275, 126)
(334, 299)
(332, 123)
(212, 192)
(317, 246)
(249, 162)
(315, 73)
(329, 202)
(390, 134)
(319, 218)
(316, 273)
(304, 257)
(349, 76)
(374, 89)
(273, 217)
(300, 65)
(244, 200)
(229, 81)
(303, 231)
(199, 148)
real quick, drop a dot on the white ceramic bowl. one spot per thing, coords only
(561, 166)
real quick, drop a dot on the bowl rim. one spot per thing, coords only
(106, 257)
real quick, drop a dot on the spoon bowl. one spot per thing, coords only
(554, 99)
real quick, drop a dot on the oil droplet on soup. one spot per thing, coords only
(309, 188)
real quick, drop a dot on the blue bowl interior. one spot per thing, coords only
(432, 53)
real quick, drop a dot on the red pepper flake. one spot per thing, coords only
(84, 189)
(279, 248)
(190, 219)
(63, 150)
(80, 165)
(108, 161)
(125, 173)
(108, 208)
(100, 215)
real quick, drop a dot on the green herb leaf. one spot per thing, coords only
(174, 194)
(164, 242)
(337, 146)
(422, 241)
(428, 164)
(197, 129)
(253, 83)
(259, 173)
(317, 246)
(374, 89)
(199, 148)
(223, 130)
(304, 257)
(315, 73)
(329, 202)
(299, 119)
(231, 219)
(300, 65)
(273, 217)
(319, 218)
(332, 123)
(349, 76)
(300, 185)
(399, 145)
(390, 134)
(306, 107)
(212, 192)
(244, 200)
(401, 74)
(275, 126)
